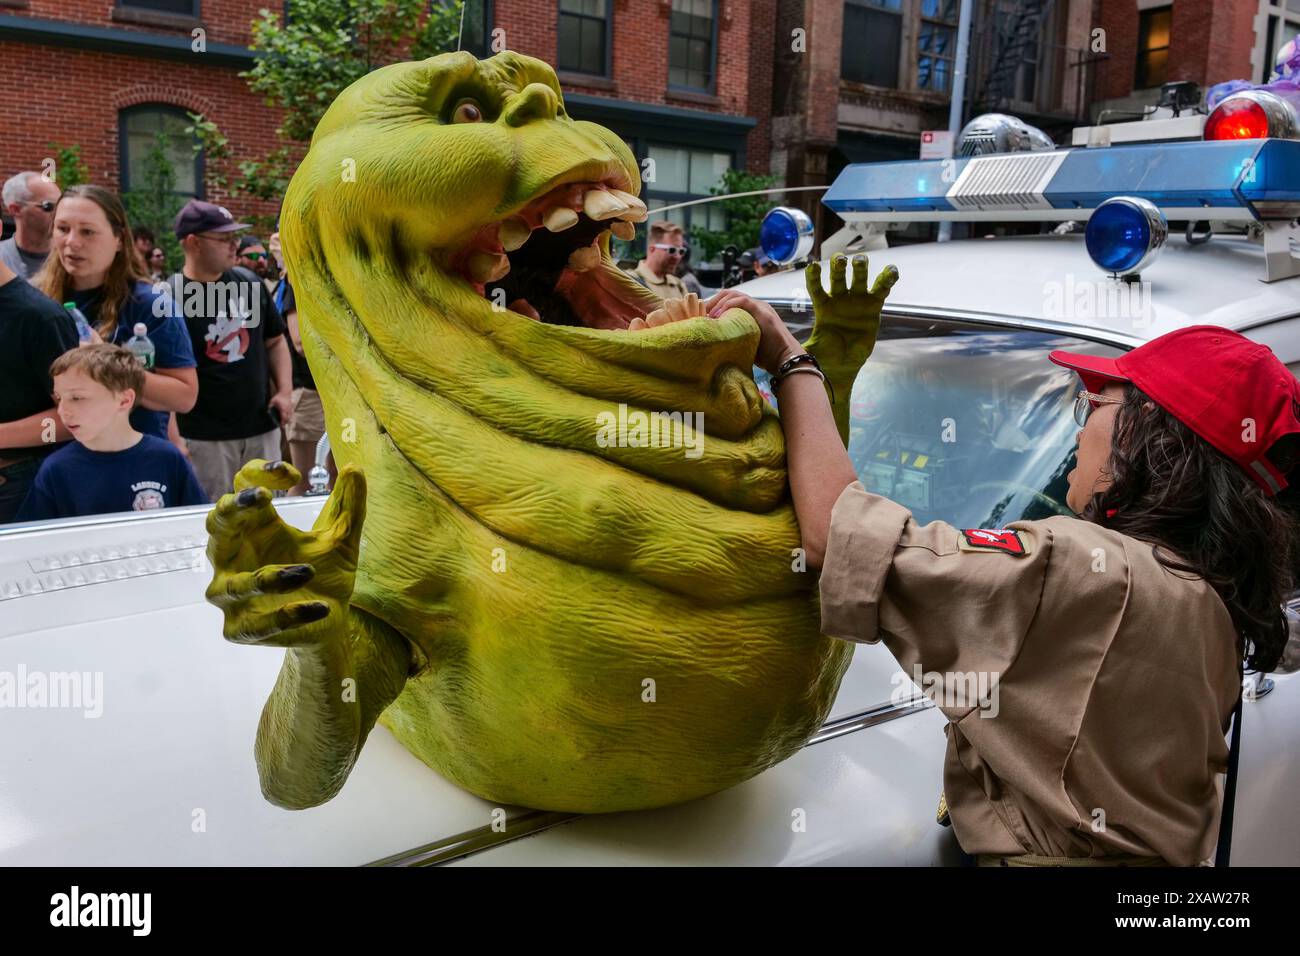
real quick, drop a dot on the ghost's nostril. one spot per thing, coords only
(536, 101)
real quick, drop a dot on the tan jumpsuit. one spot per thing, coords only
(1088, 689)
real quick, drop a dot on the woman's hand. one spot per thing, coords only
(776, 344)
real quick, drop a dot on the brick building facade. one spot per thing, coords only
(1150, 42)
(687, 83)
(105, 75)
(860, 80)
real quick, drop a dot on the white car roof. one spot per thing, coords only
(1038, 279)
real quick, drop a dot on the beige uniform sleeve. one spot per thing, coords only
(939, 605)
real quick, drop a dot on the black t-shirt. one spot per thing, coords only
(231, 322)
(34, 331)
(286, 303)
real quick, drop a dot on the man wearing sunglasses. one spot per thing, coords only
(253, 255)
(665, 247)
(30, 198)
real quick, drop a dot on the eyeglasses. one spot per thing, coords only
(45, 205)
(229, 239)
(672, 250)
(1086, 402)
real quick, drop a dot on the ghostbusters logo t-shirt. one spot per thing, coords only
(231, 323)
(75, 481)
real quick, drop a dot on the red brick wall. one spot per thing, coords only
(1119, 18)
(226, 21)
(1210, 41)
(79, 100)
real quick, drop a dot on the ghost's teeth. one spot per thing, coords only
(598, 204)
(580, 260)
(636, 211)
(623, 230)
(488, 266)
(513, 233)
(560, 218)
(636, 324)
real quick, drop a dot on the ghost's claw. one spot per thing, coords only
(278, 475)
(272, 579)
(286, 626)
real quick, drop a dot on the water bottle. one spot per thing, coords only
(140, 345)
(83, 327)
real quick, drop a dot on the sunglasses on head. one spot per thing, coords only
(672, 250)
(45, 205)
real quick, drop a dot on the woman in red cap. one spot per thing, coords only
(1114, 643)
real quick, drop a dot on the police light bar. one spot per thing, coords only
(1231, 181)
(1255, 114)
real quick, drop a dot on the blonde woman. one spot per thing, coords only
(93, 264)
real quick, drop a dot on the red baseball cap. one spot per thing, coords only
(1232, 392)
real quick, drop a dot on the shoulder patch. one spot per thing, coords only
(1006, 540)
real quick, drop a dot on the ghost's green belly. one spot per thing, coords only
(554, 680)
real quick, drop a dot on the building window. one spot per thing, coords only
(936, 45)
(682, 174)
(584, 36)
(1280, 31)
(1153, 47)
(476, 31)
(691, 43)
(189, 8)
(140, 129)
(872, 39)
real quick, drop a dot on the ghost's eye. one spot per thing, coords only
(467, 111)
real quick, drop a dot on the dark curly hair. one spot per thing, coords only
(1203, 515)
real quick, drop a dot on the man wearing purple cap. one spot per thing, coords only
(238, 340)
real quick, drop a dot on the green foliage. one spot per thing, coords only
(744, 215)
(69, 168)
(326, 45)
(155, 202)
(216, 151)
(311, 56)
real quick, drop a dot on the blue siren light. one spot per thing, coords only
(1125, 234)
(786, 235)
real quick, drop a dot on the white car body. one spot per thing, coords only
(165, 773)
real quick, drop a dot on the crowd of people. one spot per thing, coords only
(84, 293)
(123, 388)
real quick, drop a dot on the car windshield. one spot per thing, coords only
(964, 424)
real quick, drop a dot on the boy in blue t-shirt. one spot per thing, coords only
(111, 466)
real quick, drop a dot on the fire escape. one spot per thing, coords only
(1015, 29)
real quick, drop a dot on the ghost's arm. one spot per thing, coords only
(846, 322)
(281, 587)
(325, 703)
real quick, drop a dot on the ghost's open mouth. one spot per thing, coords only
(548, 260)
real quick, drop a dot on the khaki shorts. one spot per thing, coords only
(216, 462)
(308, 422)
